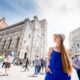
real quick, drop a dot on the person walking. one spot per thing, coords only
(42, 65)
(59, 66)
(26, 64)
(7, 65)
(45, 64)
(37, 64)
(76, 64)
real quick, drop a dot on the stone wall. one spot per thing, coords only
(28, 36)
(74, 41)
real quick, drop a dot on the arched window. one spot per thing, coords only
(9, 43)
(0, 40)
(3, 45)
(17, 42)
(25, 55)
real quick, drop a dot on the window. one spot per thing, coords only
(17, 42)
(25, 55)
(9, 43)
(3, 44)
(0, 39)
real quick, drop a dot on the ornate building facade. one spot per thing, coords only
(74, 41)
(28, 36)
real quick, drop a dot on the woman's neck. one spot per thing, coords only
(58, 48)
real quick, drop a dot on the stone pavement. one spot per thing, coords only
(16, 73)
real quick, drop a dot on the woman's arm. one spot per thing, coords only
(49, 54)
(48, 61)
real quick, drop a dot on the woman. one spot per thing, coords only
(59, 67)
(6, 64)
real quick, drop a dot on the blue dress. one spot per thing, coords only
(56, 68)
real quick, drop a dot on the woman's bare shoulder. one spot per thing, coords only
(51, 48)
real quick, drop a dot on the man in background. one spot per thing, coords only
(76, 64)
(37, 64)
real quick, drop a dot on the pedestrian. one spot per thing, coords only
(76, 64)
(26, 64)
(59, 66)
(37, 64)
(1, 60)
(45, 64)
(42, 65)
(7, 65)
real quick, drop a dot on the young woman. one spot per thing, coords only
(59, 67)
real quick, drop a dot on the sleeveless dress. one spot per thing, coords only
(56, 68)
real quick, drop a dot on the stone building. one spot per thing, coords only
(74, 41)
(28, 36)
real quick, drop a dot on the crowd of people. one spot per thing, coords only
(38, 63)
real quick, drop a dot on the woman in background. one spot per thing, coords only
(7, 65)
(59, 67)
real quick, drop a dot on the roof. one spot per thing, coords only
(13, 25)
(21, 22)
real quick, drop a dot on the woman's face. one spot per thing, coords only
(57, 39)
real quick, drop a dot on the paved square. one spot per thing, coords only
(17, 73)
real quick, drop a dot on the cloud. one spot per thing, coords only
(59, 5)
(62, 16)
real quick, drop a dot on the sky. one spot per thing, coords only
(63, 16)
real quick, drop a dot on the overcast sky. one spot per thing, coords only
(62, 16)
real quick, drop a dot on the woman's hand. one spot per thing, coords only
(48, 69)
